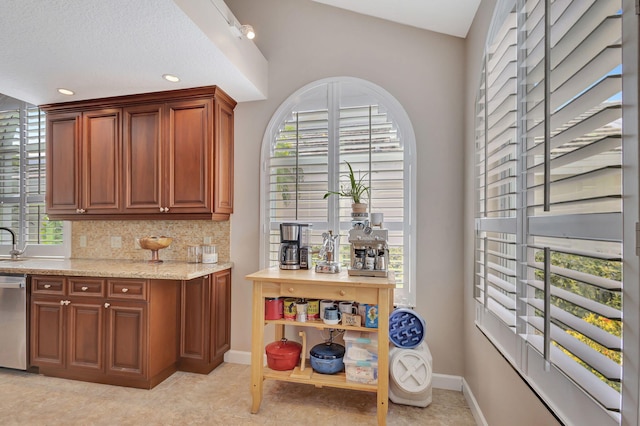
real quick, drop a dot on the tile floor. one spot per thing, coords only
(220, 398)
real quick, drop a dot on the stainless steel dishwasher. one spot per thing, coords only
(13, 321)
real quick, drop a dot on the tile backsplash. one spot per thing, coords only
(100, 239)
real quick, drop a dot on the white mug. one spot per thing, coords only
(347, 308)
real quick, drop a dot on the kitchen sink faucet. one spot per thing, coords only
(14, 250)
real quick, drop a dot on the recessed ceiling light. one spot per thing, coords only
(171, 78)
(66, 91)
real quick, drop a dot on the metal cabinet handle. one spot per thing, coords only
(62, 303)
(124, 290)
(47, 286)
(106, 305)
(164, 209)
(85, 288)
(65, 302)
(80, 210)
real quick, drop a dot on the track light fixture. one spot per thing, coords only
(236, 29)
(247, 31)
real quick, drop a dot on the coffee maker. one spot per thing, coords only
(294, 250)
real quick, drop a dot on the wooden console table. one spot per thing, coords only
(274, 282)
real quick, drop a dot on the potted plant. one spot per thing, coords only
(355, 190)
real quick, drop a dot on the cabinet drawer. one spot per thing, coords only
(127, 289)
(86, 287)
(332, 292)
(47, 285)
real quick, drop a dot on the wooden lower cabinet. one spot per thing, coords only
(205, 328)
(123, 332)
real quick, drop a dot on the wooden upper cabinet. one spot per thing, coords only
(189, 157)
(223, 157)
(164, 155)
(63, 162)
(101, 158)
(142, 157)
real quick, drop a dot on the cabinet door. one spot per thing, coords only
(189, 157)
(126, 339)
(221, 313)
(63, 163)
(47, 332)
(142, 138)
(223, 157)
(102, 161)
(85, 335)
(195, 319)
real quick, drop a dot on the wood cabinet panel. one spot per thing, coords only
(85, 336)
(63, 165)
(189, 156)
(126, 337)
(223, 156)
(221, 313)
(101, 146)
(142, 140)
(47, 332)
(86, 287)
(194, 325)
(48, 285)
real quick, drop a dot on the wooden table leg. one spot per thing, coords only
(384, 303)
(257, 346)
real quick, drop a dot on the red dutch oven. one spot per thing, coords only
(283, 355)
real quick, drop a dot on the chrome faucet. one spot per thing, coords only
(14, 249)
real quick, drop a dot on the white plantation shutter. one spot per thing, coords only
(22, 179)
(305, 151)
(550, 201)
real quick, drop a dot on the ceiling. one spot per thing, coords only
(98, 50)
(452, 17)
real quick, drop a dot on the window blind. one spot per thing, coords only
(308, 150)
(551, 161)
(22, 177)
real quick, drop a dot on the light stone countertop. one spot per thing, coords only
(113, 268)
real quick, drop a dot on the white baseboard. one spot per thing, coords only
(473, 404)
(448, 382)
(237, 357)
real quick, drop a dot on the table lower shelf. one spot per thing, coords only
(308, 376)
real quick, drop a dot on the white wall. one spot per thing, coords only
(305, 41)
(502, 395)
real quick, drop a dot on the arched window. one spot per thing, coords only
(304, 153)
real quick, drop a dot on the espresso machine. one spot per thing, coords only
(369, 251)
(294, 250)
(329, 253)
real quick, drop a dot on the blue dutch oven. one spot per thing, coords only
(327, 358)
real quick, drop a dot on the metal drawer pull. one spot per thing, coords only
(47, 286)
(85, 288)
(106, 305)
(124, 290)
